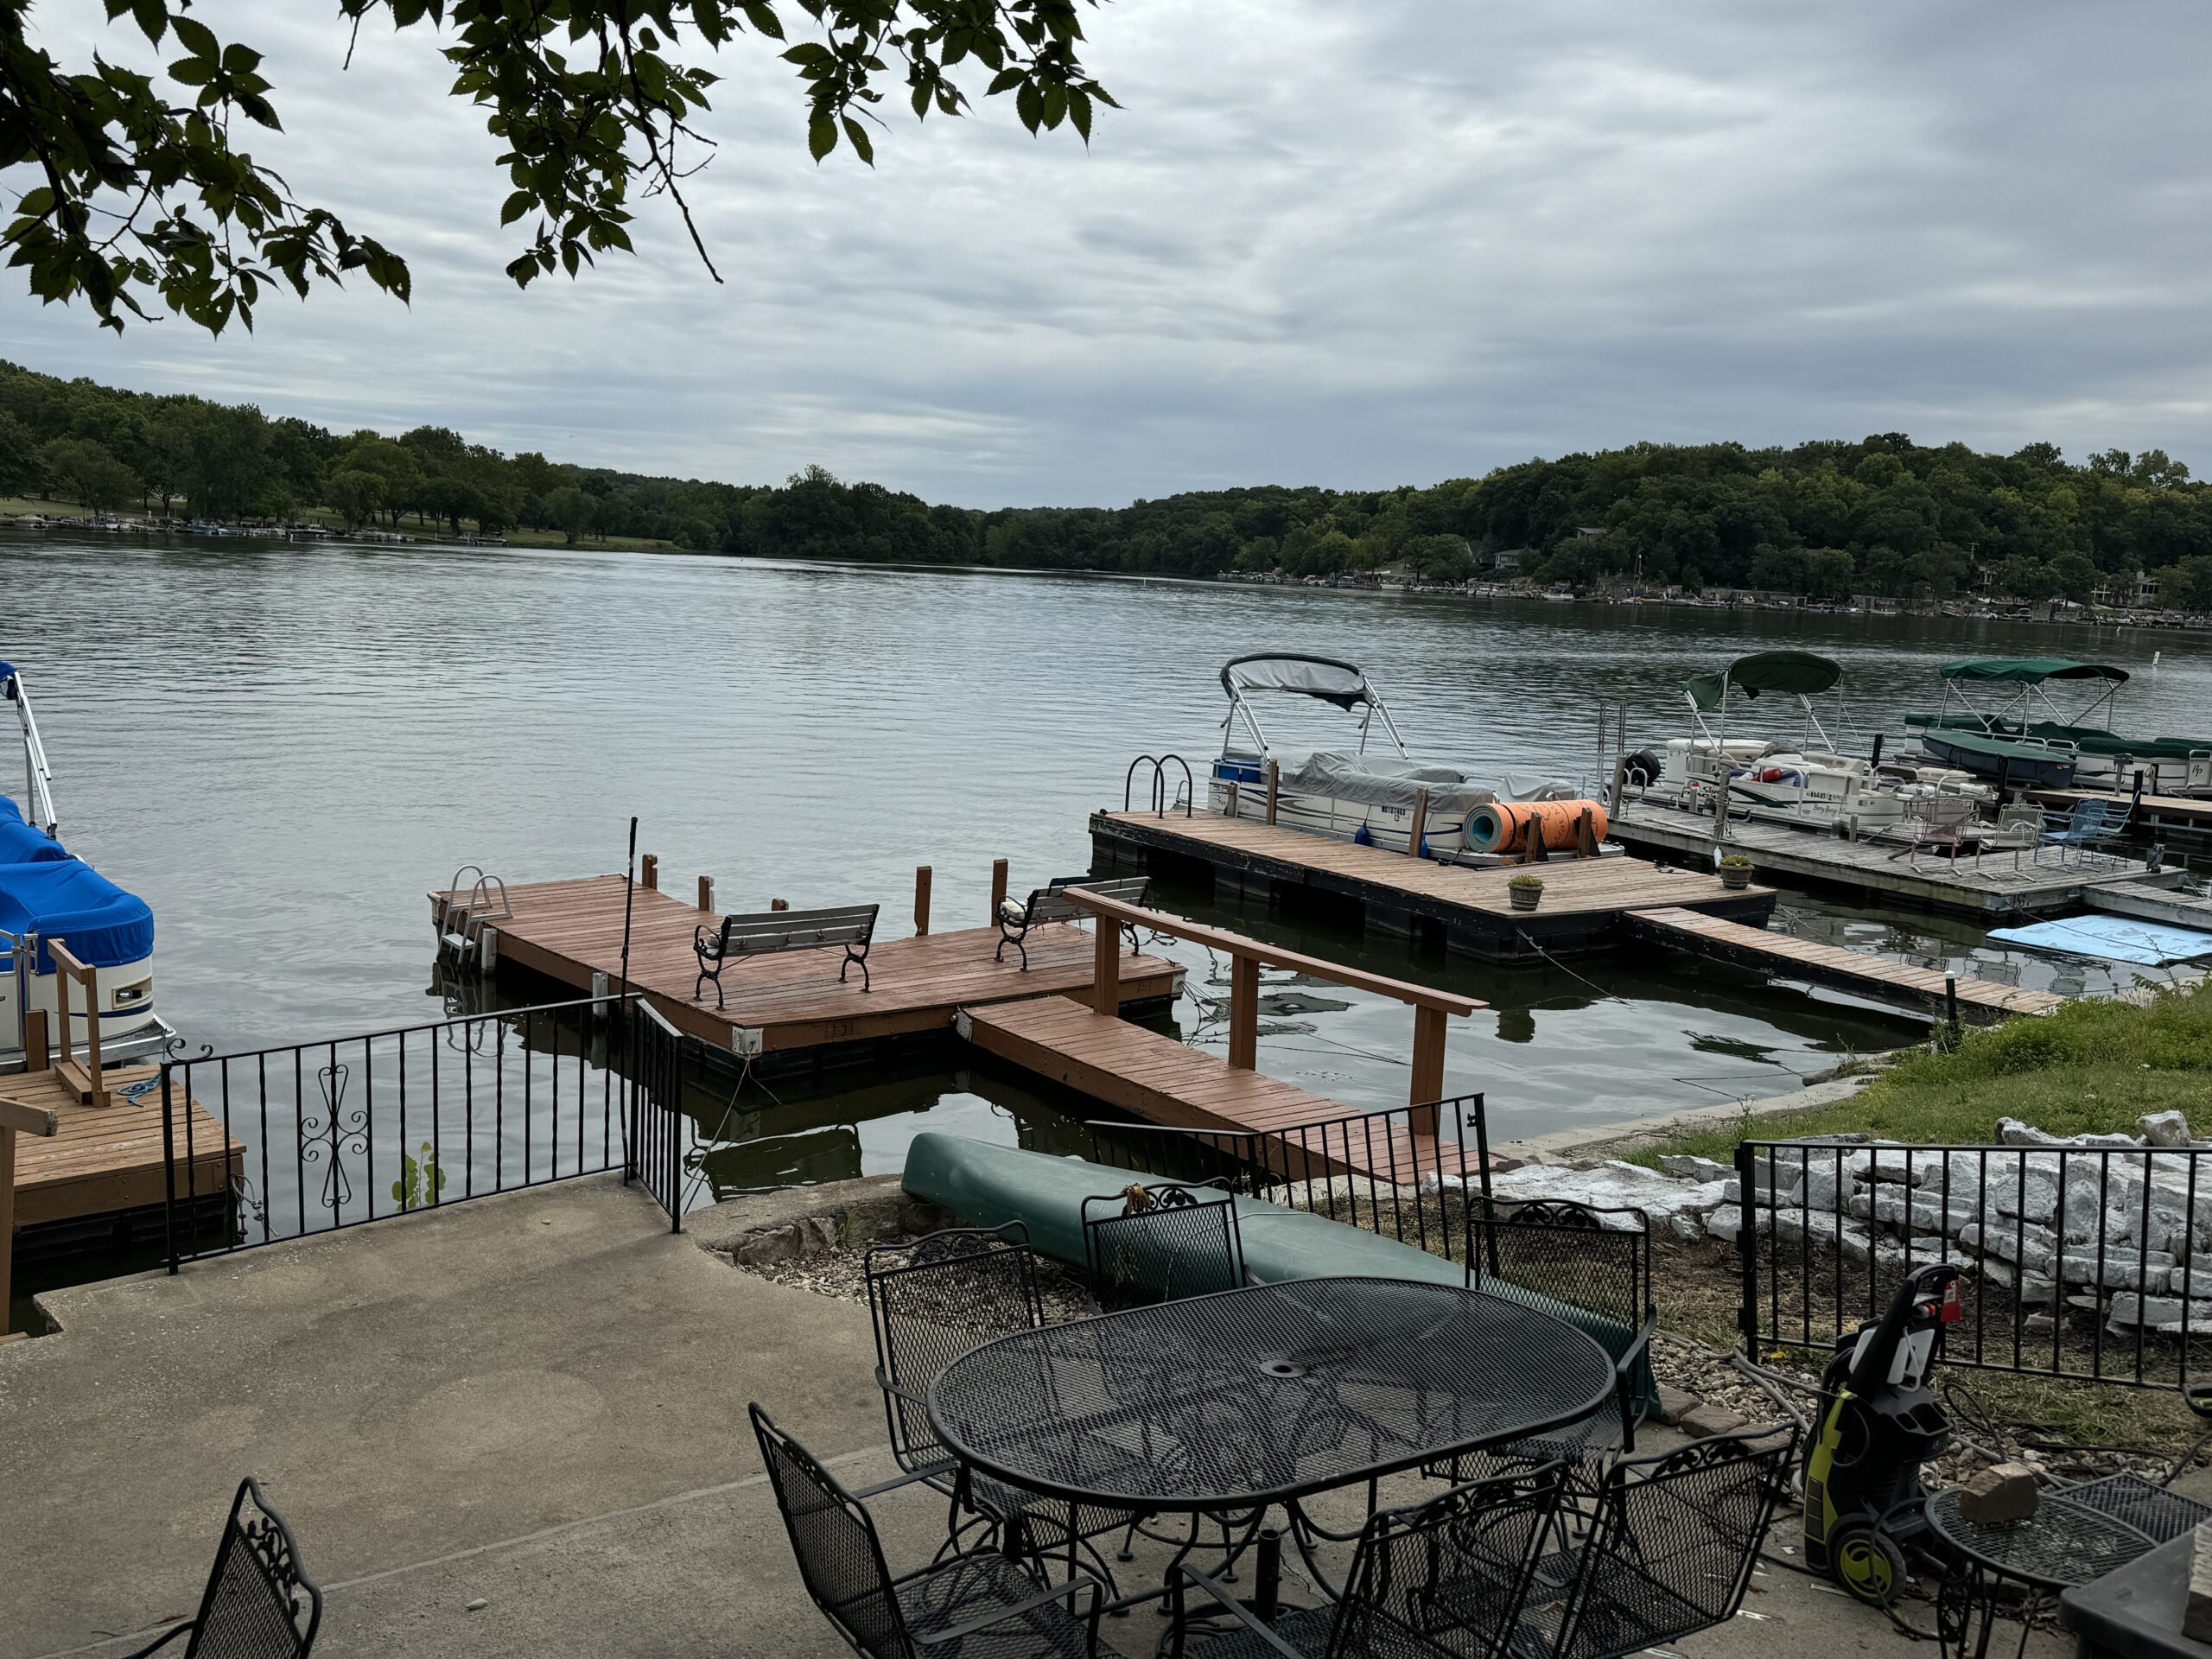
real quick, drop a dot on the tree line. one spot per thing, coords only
(1828, 520)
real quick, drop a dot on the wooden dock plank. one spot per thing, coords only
(107, 1159)
(570, 930)
(1869, 976)
(1162, 1080)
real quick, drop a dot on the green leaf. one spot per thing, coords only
(192, 71)
(763, 17)
(196, 37)
(821, 134)
(809, 52)
(1029, 104)
(862, 147)
(152, 17)
(1004, 80)
(515, 207)
(1056, 105)
(1079, 110)
(920, 99)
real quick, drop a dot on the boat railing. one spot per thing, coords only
(1162, 805)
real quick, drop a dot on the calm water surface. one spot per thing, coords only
(282, 748)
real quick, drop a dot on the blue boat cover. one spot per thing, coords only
(23, 843)
(2114, 938)
(61, 897)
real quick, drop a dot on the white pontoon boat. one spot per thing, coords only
(47, 894)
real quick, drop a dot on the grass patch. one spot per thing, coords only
(2094, 1066)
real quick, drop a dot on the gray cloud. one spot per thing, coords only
(1357, 245)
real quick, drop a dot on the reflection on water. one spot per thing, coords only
(282, 747)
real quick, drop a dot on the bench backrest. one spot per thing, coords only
(797, 930)
(1052, 904)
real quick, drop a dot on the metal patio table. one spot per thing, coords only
(2063, 1544)
(1225, 1405)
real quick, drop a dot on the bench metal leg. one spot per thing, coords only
(716, 976)
(1014, 939)
(851, 957)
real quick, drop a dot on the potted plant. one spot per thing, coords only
(1525, 891)
(1735, 872)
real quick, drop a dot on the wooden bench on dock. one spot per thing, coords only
(774, 931)
(1051, 903)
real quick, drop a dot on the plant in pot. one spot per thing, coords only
(1735, 872)
(1525, 891)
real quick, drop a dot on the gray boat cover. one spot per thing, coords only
(1380, 780)
(1314, 677)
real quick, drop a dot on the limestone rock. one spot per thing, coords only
(2164, 1128)
(2197, 1611)
(2002, 1492)
(1685, 1166)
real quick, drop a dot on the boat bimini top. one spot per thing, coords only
(2023, 679)
(1323, 679)
(1797, 674)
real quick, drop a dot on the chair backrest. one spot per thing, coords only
(1675, 1541)
(1950, 812)
(259, 1604)
(1171, 1243)
(2088, 819)
(1598, 1260)
(834, 1539)
(1449, 1576)
(931, 1302)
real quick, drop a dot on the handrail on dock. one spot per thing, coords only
(1247, 957)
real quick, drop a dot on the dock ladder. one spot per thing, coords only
(463, 927)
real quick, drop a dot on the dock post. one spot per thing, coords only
(649, 872)
(1428, 1086)
(921, 902)
(1274, 788)
(1244, 1013)
(1420, 824)
(1106, 965)
(998, 888)
(1951, 1003)
(706, 892)
(1229, 807)
(37, 1055)
(1619, 789)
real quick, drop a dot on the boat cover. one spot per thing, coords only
(1341, 684)
(2111, 939)
(25, 843)
(67, 899)
(1797, 672)
(1380, 780)
(2029, 670)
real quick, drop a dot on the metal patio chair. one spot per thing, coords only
(1447, 1578)
(2075, 831)
(1944, 824)
(1671, 1552)
(930, 1302)
(1580, 1260)
(1161, 1245)
(258, 1603)
(965, 1604)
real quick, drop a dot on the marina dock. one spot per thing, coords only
(103, 1163)
(1584, 898)
(1874, 978)
(2179, 818)
(571, 932)
(1995, 884)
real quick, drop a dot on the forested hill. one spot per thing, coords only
(1882, 515)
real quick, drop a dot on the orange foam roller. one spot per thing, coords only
(1502, 826)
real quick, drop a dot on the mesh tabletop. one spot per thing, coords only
(2061, 1545)
(1263, 1394)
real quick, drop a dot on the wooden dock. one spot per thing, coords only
(571, 932)
(1994, 884)
(2151, 817)
(105, 1161)
(1583, 902)
(1158, 1079)
(1873, 977)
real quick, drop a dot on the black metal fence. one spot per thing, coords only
(1409, 1174)
(2083, 1262)
(272, 1143)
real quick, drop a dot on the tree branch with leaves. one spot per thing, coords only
(135, 189)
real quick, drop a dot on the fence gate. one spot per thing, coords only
(657, 1124)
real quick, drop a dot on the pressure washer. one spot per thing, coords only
(1876, 1425)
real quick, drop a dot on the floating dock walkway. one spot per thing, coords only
(571, 932)
(1997, 883)
(103, 1164)
(1875, 978)
(1471, 910)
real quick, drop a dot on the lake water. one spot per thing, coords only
(282, 748)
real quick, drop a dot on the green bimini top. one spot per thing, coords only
(1797, 671)
(2029, 670)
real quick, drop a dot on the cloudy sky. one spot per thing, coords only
(1352, 244)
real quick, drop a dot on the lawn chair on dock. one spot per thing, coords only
(1946, 822)
(2090, 822)
(1052, 904)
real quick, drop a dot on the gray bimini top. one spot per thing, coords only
(1325, 677)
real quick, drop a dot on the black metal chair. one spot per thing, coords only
(1448, 1578)
(930, 1302)
(1671, 1552)
(967, 1605)
(1161, 1245)
(1567, 1255)
(258, 1603)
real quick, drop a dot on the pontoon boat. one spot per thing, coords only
(46, 895)
(2018, 736)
